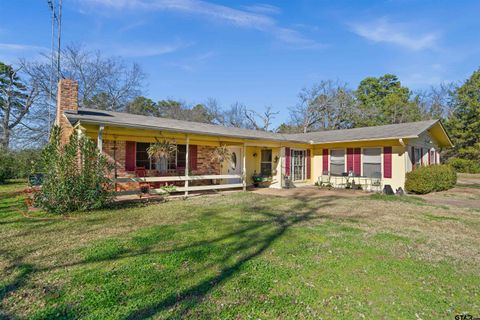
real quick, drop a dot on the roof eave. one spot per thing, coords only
(159, 128)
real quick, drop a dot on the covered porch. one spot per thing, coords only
(193, 167)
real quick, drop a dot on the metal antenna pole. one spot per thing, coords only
(59, 36)
(52, 62)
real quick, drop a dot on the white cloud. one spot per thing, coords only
(20, 47)
(263, 8)
(12, 52)
(259, 19)
(399, 34)
(148, 50)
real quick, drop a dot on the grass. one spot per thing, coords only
(468, 185)
(240, 256)
(405, 199)
(13, 186)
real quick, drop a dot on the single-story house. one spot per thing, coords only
(380, 155)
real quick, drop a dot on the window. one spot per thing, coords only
(432, 157)
(142, 156)
(372, 162)
(298, 165)
(181, 156)
(337, 162)
(418, 157)
(176, 160)
(266, 163)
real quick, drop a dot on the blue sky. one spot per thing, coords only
(258, 52)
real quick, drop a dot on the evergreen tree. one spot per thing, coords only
(384, 100)
(464, 124)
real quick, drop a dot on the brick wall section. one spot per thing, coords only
(119, 160)
(204, 161)
(204, 164)
(67, 99)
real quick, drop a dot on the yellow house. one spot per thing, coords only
(370, 157)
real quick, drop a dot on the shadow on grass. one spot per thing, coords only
(254, 240)
(227, 253)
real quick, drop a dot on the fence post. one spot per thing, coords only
(100, 138)
(187, 165)
(244, 169)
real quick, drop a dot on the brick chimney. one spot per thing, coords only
(67, 99)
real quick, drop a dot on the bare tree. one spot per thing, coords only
(325, 105)
(16, 100)
(103, 83)
(261, 121)
(437, 101)
(239, 116)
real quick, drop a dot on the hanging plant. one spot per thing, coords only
(221, 154)
(161, 149)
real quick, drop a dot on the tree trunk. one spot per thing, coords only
(5, 136)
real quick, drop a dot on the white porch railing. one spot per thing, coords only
(187, 187)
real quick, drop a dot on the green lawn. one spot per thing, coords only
(242, 256)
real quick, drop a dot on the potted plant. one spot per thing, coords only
(161, 149)
(220, 155)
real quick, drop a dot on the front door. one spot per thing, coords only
(234, 164)
(298, 165)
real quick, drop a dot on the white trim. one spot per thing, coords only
(382, 156)
(304, 171)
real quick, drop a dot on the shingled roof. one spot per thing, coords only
(120, 119)
(390, 131)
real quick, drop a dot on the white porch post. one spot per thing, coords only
(187, 166)
(244, 169)
(100, 139)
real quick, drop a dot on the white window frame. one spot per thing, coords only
(264, 162)
(381, 160)
(304, 165)
(433, 156)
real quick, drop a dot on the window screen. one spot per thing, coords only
(418, 157)
(181, 156)
(266, 163)
(142, 156)
(372, 162)
(337, 162)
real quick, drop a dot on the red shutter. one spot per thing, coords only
(324, 161)
(130, 155)
(421, 156)
(349, 159)
(387, 162)
(429, 158)
(192, 156)
(309, 164)
(287, 161)
(357, 163)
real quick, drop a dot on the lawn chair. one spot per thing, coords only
(324, 180)
(376, 184)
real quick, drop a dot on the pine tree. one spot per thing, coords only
(464, 124)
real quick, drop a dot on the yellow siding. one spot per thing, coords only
(255, 146)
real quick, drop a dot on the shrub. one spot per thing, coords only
(18, 164)
(6, 166)
(464, 165)
(75, 176)
(431, 178)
